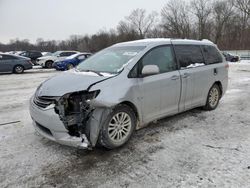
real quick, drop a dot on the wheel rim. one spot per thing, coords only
(119, 127)
(19, 69)
(213, 97)
(49, 65)
(70, 66)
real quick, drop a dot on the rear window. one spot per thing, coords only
(189, 56)
(211, 55)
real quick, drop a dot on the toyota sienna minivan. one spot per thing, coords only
(126, 86)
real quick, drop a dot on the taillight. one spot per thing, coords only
(30, 62)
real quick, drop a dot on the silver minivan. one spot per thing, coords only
(126, 86)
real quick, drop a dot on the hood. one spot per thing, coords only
(68, 82)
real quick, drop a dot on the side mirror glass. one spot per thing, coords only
(150, 70)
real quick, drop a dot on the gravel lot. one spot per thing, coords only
(193, 149)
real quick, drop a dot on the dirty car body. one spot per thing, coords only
(73, 107)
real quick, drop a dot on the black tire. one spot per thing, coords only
(213, 98)
(105, 139)
(48, 64)
(18, 69)
(70, 66)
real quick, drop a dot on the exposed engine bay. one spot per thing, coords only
(74, 112)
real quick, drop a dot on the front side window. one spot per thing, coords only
(189, 56)
(162, 57)
(110, 60)
(211, 55)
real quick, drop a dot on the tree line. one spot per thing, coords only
(225, 22)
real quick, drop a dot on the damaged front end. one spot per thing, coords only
(75, 113)
(70, 119)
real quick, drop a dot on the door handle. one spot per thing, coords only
(175, 77)
(215, 71)
(185, 75)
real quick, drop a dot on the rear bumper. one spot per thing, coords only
(48, 124)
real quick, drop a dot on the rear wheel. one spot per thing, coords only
(70, 66)
(48, 64)
(118, 127)
(18, 69)
(213, 98)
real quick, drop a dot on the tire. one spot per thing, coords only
(70, 66)
(213, 98)
(18, 69)
(48, 64)
(118, 127)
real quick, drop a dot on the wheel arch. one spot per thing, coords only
(133, 107)
(220, 86)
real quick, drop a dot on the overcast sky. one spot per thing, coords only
(58, 19)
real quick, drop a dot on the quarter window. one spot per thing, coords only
(161, 57)
(189, 56)
(211, 55)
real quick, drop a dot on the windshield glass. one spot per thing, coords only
(110, 60)
(56, 53)
(72, 56)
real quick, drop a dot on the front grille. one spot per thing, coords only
(44, 129)
(42, 102)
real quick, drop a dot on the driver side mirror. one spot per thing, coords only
(149, 70)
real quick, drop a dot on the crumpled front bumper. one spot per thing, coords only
(48, 124)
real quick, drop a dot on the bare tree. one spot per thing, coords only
(139, 21)
(222, 13)
(176, 19)
(243, 5)
(202, 10)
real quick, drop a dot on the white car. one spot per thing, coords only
(47, 61)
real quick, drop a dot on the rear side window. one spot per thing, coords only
(65, 54)
(211, 55)
(81, 57)
(7, 57)
(189, 56)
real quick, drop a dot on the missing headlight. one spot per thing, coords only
(74, 110)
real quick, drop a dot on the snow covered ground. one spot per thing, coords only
(193, 149)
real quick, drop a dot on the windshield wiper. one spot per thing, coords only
(96, 72)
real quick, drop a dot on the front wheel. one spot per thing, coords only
(118, 127)
(213, 98)
(70, 66)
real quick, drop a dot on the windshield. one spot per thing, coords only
(56, 53)
(110, 60)
(72, 56)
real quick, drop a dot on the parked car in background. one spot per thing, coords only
(230, 57)
(33, 55)
(46, 53)
(127, 86)
(47, 61)
(71, 61)
(13, 63)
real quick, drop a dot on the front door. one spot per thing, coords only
(160, 93)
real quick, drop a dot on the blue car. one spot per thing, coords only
(71, 61)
